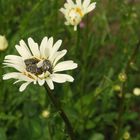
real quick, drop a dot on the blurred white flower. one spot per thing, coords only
(39, 64)
(126, 135)
(136, 91)
(45, 113)
(74, 12)
(122, 77)
(3, 43)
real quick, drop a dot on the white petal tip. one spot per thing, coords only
(75, 28)
(23, 86)
(76, 65)
(71, 80)
(60, 41)
(4, 78)
(64, 51)
(61, 10)
(21, 90)
(52, 88)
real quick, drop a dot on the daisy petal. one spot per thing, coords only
(62, 10)
(34, 47)
(43, 46)
(23, 52)
(78, 2)
(86, 3)
(26, 78)
(41, 82)
(75, 28)
(58, 78)
(67, 77)
(65, 65)
(13, 75)
(67, 6)
(70, 2)
(91, 7)
(55, 48)
(23, 86)
(23, 44)
(48, 47)
(17, 81)
(50, 42)
(67, 23)
(13, 58)
(15, 66)
(61, 78)
(50, 83)
(59, 56)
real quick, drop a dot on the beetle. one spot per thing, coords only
(46, 66)
(34, 69)
(31, 61)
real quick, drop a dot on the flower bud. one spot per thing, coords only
(117, 88)
(45, 113)
(126, 136)
(122, 77)
(136, 91)
(3, 43)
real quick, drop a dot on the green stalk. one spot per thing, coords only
(122, 92)
(56, 104)
(77, 40)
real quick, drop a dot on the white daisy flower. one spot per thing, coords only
(136, 91)
(74, 12)
(39, 64)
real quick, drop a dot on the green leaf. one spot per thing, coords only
(2, 134)
(97, 136)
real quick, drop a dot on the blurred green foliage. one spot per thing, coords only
(101, 49)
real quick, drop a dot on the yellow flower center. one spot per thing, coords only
(75, 15)
(78, 10)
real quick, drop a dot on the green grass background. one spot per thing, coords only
(101, 49)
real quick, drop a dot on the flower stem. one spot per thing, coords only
(77, 39)
(61, 112)
(122, 92)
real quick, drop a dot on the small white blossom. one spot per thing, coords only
(136, 91)
(45, 113)
(39, 64)
(3, 43)
(126, 135)
(74, 12)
